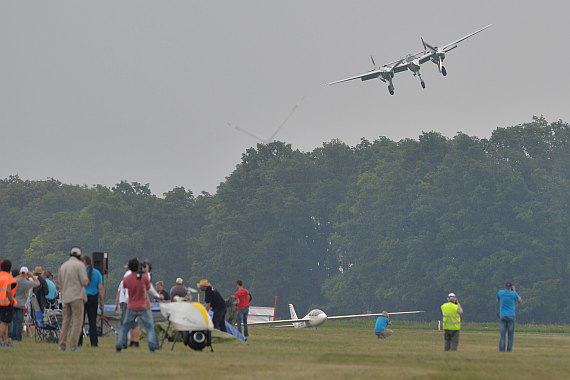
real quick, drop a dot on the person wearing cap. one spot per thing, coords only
(41, 291)
(26, 281)
(73, 280)
(380, 328)
(216, 302)
(179, 289)
(8, 286)
(451, 311)
(507, 299)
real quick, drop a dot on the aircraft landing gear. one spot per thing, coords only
(443, 71)
(423, 84)
(391, 90)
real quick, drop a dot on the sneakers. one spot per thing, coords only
(74, 349)
(134, 344)
(61, 348)
(7, 345)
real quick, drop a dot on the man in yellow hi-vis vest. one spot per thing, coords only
(451, 322)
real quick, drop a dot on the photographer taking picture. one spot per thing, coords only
(507, 299)
(137, 283)
(451, 322)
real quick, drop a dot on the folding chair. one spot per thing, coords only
(46, 322)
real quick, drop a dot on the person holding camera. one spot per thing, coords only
(507, 299)
(137, 283)
(451, 311)
(26, 281)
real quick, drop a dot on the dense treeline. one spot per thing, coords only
(382, 225)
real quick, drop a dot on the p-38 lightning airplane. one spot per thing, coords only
(317, 317)
(412, 62)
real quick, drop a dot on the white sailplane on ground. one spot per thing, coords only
(317, 317)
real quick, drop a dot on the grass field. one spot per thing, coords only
(338, 350)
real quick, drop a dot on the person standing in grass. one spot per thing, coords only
(138, 284)
(7, 300)
(380, 328)
(242, 300)
(26, 281)
(507, 299)
(73, 280)
(94, 291)
(214, 301)
(451, 322)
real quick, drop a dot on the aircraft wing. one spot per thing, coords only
(279, 321)
(373, 314)
(453, 45)
(366, 76)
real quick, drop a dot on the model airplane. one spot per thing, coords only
(436, 55)
(412, 62)
(317, 317)
(270, 139)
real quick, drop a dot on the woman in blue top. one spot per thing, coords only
(94, 290)
(380, 329)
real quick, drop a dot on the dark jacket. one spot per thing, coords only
(41, 292)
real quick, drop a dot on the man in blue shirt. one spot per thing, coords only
(380, 329)
(507, 299)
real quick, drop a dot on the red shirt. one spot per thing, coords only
(243, 296)
(138, 296)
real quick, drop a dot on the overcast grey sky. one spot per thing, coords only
(95, 92)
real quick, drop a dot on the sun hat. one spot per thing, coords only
(38, 270)
(203, 282)
(451, 296)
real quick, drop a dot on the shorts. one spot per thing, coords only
(6, 314)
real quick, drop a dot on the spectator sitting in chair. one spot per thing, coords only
(163, 294)
(179, 289)
(51, 301)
